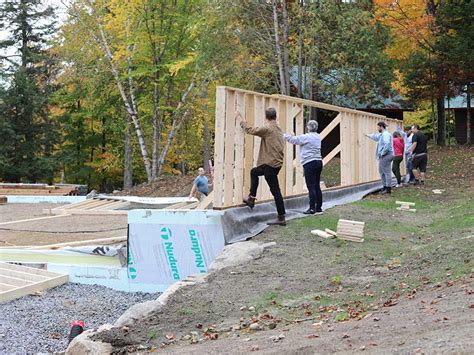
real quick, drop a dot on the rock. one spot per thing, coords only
(252, 309)
(255, 326)
(242, 309)
(82, 345)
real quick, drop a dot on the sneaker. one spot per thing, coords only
(387, 190)
(398, 185)
(318, 211)
(309, 211)
(419, 182)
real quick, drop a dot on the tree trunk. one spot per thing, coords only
(278, 50)
(156, 133)
(286, 55)
(207, 145)
(128, 155)
(468, 114)
(441, 121)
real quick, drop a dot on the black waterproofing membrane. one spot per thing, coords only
(241, 223)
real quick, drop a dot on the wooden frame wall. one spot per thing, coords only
(235, 153)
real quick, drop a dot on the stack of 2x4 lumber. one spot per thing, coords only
(350, 230)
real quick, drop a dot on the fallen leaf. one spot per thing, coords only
(169, 336)
(199, 325)
(449, 283)
(254, 348)
(312, 336)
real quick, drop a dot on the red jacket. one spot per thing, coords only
(398, 146)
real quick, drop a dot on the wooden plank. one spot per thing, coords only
(345, 150)
(32, 219)
(22, 275)
(332, 154)
(14, 281)
(328, 106)
(74, 205)
(405, 203)
(178, 205)
(95, 213)
(109, 206)
(206, 202)
(219, 147)
(299, 168)
(229, 149)
(249, 141)
(282, 123)
(349, 222)
(288, 157)
(351, 239)
(327, 230)
(32, 288)
(5, 287)
(259, 117)
(30, 270)
(322, 234)
(330, 126)
(95, 203)
(100, 241)
(239, 152)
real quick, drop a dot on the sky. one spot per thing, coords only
(60, 12)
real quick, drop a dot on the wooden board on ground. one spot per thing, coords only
(322, 234)
(405, 203)
(18, 281)
(350, 230)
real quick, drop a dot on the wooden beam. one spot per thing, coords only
(206, 202)
(219, 146)
(330, 126)
(32, 219)
(101, 241)
(332, 154)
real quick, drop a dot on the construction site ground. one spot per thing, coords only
(409, 288)
(57, 229)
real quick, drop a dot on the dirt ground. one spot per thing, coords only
(407, 289)
(166, 186)
(55, 230)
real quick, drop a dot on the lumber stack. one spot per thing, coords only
(350, 230)
(37, 189)
(406, 206)
(3, 200)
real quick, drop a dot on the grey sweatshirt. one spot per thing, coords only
(310, 146)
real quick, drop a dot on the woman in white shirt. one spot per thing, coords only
(311, 160)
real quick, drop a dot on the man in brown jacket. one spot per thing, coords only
(269, 162)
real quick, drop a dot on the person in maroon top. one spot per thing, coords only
(398, 148)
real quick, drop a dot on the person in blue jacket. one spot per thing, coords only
(384, 155)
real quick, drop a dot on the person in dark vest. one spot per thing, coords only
(269, 162)
(419, 154)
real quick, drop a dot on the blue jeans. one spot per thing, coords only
(409, 168)
(312, 175)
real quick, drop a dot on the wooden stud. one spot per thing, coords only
(229, 154)
(219, 146)
(249, 142)
(239, 151)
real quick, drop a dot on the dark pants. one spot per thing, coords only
(271, 176)
(396, 168)
(312, 175)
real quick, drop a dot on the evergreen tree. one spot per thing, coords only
(27, 134)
